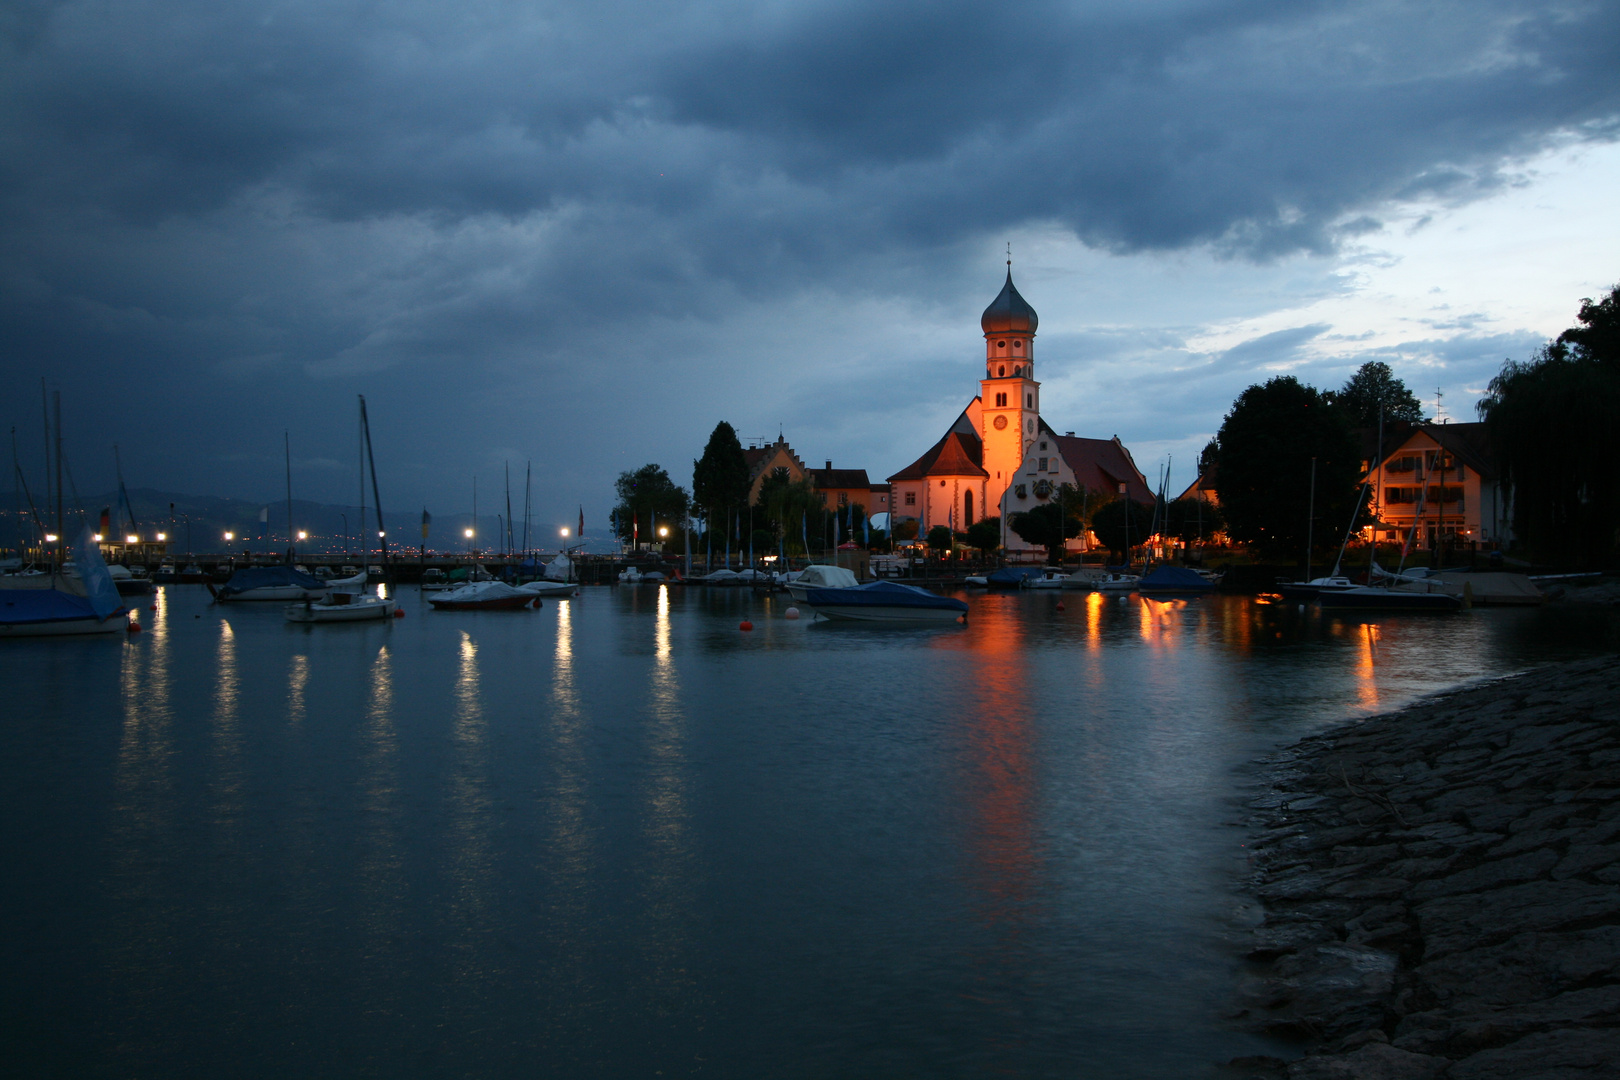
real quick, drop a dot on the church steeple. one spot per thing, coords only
(1009, 396)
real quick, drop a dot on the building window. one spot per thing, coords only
(1002, 370)
(843, 498)
(1042, 466)
(1001, 344)
(1021, 491)
(1043, 447)
(911, 498)
(1001, 400)
(942, 483)
(1017, 345)
(1029, 401)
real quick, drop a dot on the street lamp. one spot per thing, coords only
(132, 539)
(162, 537)
(302, 535)
(229, 537)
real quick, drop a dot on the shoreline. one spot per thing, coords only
(1441, 887)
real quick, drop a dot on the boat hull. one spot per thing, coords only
(64, 627)
(1386, 600)
(282, 593)
(503, 603)
(872, 613)
(367, 610)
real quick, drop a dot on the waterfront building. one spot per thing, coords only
(1440, 479)
(843, 487)
(999, 457)
(763, 460)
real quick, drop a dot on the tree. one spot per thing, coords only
(1192, 519)
(1110, 521)
(1265, 449)
(985, 534)
(1374, 385)
(648, 498)
(792, 508)
(905, 529)
(1551, 424)
(940, 538)
(720, 476)
(1050, 524)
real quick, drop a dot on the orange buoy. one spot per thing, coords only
(745, 625)
(152, 608)
(399, 613)
(134, 627)
(792, 613)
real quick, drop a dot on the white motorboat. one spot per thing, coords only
(1050, 577)
(821, 577)
(885, 601)
(1117, 583)
(341, 607)
(633, 576)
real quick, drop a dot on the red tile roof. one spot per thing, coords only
(957, 454)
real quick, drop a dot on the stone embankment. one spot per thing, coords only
(1442, 888)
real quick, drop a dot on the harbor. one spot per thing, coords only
(482, 842)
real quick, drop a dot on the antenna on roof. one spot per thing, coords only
(1009, 256)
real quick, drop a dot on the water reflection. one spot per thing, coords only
(297, 679)
(470, 822)
(667, 900)
(227, 736)
(383, 883)
(1366, 672)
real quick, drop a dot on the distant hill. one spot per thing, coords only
(198, 523)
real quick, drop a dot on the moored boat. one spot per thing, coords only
(341, 607)
(885, 601)
(85, 603)
(484, 596)
(1378, 598)
(1174, 581)
(820, 576)
(270, 583)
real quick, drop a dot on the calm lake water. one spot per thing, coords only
(617, 837)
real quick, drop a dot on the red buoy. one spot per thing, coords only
(399, 613)
(745, 625)
(134, 627)
(1060, 605)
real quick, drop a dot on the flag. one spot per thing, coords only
(804, 531)
(866, 531)
(581, 533)
(106, 520)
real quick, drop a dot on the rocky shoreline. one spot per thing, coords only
(1441, 888)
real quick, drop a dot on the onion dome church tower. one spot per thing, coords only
(1011, 398)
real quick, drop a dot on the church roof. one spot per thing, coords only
(1103, 465)
(957, 454)
(1009, 312)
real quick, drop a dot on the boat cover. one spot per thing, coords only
(1492, 587)
(1012, 576)
(826, 577)
(263, 577)
(558, 569)
(1173, 579)
(23, 607)
(882, 594)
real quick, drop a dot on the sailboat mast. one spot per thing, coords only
(56, 399)
(528, 475)
(286, 448)
(507, 465)
(360, 437)
(1310, 521)
(376, 498)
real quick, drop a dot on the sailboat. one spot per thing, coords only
(61, 605)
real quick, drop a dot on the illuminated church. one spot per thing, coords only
(1000, 457)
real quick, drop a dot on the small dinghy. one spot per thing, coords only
(341, 607)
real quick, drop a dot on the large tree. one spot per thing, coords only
(1051, 523)
(648, 498)
(1121, 524)
(1265, 451)
(1192, 519)
(793, 509)
(1375, 386)
(1552, 424)
(720, 476)
(985, 534)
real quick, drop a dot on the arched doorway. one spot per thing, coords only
(967, 509)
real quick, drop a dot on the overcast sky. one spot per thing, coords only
(581, 234)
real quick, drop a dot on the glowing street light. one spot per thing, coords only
(468, 534)
(132, 539)
(50, 538)
(162, 537)
(229, 537)
(564, 531)
(663, 531)
(96, 538)
(302, 535)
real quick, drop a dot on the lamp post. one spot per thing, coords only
(469, 534)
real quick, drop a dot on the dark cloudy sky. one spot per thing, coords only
(580, 234)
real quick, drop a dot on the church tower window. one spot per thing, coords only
(1029, 401)
(1001, 371)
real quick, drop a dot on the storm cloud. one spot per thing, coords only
(582, 234)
